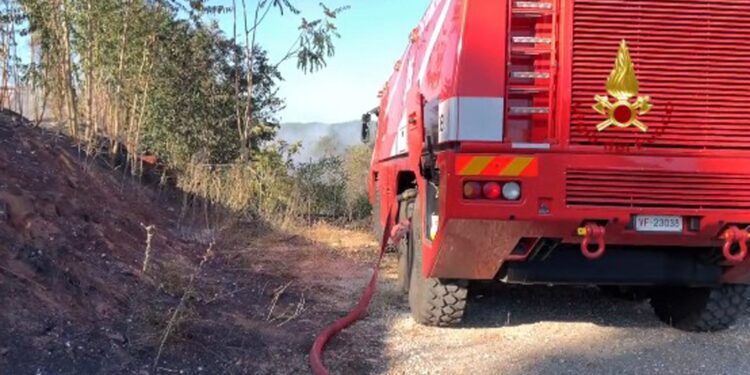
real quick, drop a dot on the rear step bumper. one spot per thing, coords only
(621, 266)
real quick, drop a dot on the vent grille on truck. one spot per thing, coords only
(657, 189)
(691, 57)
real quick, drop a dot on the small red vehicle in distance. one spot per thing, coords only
(571, 142)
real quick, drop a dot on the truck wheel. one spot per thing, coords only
(405, 247)
(701, 309)
(433, 302)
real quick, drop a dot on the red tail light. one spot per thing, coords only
(492, 190)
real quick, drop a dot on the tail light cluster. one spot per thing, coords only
(492, 190)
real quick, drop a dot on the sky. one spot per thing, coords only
(374, 35)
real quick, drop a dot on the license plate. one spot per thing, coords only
(658, 223)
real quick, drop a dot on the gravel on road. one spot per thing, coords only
(526, 330)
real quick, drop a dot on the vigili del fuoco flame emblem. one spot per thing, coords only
(623, 86)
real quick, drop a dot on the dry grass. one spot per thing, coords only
(150, 229)
(256, 190)
(337, 238)
(230, 186)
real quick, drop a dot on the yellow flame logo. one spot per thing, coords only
(623, 86)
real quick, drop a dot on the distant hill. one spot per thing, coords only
(310, 134)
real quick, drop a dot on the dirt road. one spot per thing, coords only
(539, 330)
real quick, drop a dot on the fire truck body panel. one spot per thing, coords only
(504, 91)
(559, 199)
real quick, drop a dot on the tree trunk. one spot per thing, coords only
(67, 70)
(115, 133)
(90, 129)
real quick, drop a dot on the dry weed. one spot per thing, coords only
(277, 293)
(150, 230)
(146, 326)
(178, 311)
(299, 308)
(288, 314)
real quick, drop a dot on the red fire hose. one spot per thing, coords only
(316, 353)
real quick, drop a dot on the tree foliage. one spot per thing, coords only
(159, 77)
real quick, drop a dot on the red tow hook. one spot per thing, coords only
(593, 232)
(735, 235)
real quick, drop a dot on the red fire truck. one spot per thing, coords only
(571, 142)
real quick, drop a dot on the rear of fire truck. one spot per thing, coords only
(580, 142)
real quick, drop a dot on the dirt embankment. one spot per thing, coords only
(71, 252)
(74, 298)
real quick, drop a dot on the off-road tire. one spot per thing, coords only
(405, 246)
(433, 302)
(701, 309)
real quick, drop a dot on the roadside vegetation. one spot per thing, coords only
(159, 94)
(158, 88)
